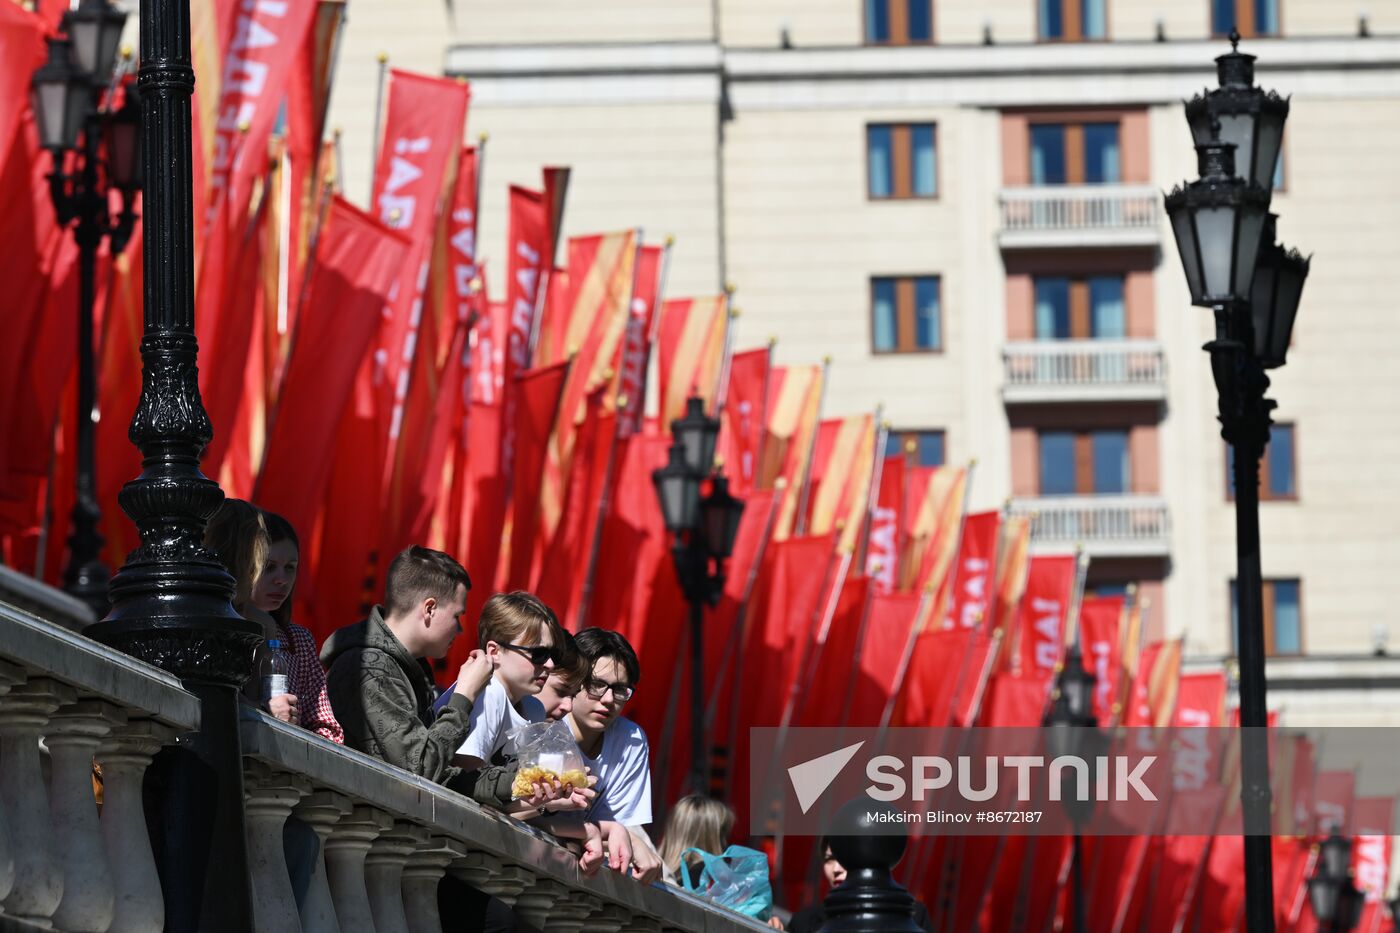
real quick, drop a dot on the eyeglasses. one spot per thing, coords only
(596, 688)
(538, 654)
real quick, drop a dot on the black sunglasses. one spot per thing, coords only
(538, 654)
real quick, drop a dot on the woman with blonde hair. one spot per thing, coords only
(695, 822)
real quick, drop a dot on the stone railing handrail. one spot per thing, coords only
(1127, 517)
(389, 836)
(1084, 362)
(1076, 207)
(61, 867)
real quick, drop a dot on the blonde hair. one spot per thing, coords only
(511, 618)
(695, 822)
(238, 537)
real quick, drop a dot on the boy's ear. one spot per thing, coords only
(427, 607)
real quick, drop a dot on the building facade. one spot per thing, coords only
(959, 202)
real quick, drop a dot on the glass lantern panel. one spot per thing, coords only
(1266, 156)
(50, 110)
(1251, 232)
(1215, 226)
(84, 33)
(1185, 235)
(1238, 128)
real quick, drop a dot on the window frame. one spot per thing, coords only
(1084, 460)
(1270, 617)
(898, 349)
(1072, 126)
(905, 436)
(892, 40)
(1079, 308)
(1253, 32)
(1266, 494)
(894, 194)
(1107, 24)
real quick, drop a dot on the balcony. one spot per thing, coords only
(1041, 216)
(1039, 371)
(1131, 525)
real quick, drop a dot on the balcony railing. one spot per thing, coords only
(387, 836)
(1080, 215)
(1084, 370)
(1107, 525)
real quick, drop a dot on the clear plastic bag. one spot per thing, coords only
(737, 879)
(546, 751)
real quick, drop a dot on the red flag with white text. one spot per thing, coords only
(1044, 606)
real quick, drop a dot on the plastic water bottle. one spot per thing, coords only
(274, 669)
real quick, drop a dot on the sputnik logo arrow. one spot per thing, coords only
(811, 778)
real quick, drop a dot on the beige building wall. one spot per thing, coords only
(544, 22)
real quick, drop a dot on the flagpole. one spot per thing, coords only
(726, 360)
(339, 160)
(806, 491)
(877, 472)
(383, 59)
(480, 175)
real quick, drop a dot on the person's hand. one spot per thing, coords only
(569, 797)
(646, 864)
(775, 923)
(284, 707)
(619, 843)
(592, 858)
(542, 793)
(475, 674)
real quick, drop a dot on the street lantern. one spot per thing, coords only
(95, 29)
(1218, 221)
(62, 98)
(697, 434)
(1250, 117)
(123, 138)
(1070, 731)
(720, 513)
(678, 489)
(1279, 274)
(1335, 899)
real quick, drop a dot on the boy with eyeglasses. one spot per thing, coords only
(616, 750)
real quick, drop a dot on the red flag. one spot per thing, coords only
(462, 235)
(422, 135)
(1049, 583)
(883, 541)
(743, 417)
(636, 351)
(690, 352)
(1370, 856)
(356, 263)
(526, 245)
(539, 392)
(1334, 800)
(882, 648)
(974, 581)
(1100, 627)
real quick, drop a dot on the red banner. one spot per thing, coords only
(462, 234)
(422, 134)
(1100, 627)
(356, 263)
(539, 392)
(743, 417)
(974, 574)
(1044, 606)
(636, 349)
(1370, 855)
(526, 245)
(883, 541)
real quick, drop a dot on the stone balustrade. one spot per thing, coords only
(62, 866)
(389, 837)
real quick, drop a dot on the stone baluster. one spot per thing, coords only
(321, 811)
(426, 866)
(486, 872)
(38, 884)
(606, 918)
(384, 875)
(641, 923)
(536, 903)
(570, 912)
(10, 675)
(125, 755)
(271, 796)
(74, 735)
(346, 849)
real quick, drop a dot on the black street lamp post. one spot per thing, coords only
(1071, 723)
(171, 600)
(69, 93)
(1336, 901)
(705, 529)
(1225, 235)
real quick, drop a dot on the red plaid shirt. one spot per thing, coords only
(308, 681)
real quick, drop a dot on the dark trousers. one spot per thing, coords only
(464, 909)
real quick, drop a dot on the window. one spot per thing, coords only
(1073, 19)
(898, 22)
(1250, 17)
(1278, 169)
(902, 160)
(1079, 308)
(1278, 473)
(1084, 463)
(919, 448)
(906, 314)
(1283, 617)
(1074, 153)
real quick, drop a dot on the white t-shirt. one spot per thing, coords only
(493, 720)
(623, 767)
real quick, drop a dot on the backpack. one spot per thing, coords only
(736, 879)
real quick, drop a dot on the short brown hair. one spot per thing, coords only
(419, 573)
(237, 536)
(571, 665)
(509, 618)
